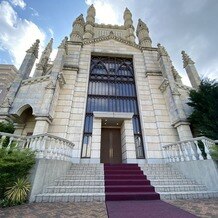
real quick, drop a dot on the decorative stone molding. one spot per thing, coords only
(186, 59)
(35, 80)
(71, 67)
(164, 85)
(180, 122)
(46, 118)
(34, 49)
(109, 26)
(153, 73)
(112, 36)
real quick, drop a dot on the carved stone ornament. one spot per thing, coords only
(161, 50)
(34, 49)
(186, 59)
(64, 44)
(164, 85)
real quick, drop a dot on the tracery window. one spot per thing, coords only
(112, 89)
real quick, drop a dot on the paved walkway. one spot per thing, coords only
(200, 207)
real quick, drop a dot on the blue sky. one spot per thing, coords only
(178, 25)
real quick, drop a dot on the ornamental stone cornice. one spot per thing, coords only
(164, 85)
(35, 80)
(71, 67)
(153, 73)
(109, 26)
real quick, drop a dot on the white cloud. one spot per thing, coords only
(19, 3)
(51, 32)
(34, 13)
(17, 34)
(106, 12)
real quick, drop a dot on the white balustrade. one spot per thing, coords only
(45, 145)
(187, 150)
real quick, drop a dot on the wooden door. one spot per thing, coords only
(111, 146)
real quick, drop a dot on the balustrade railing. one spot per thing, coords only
(46, 145)
(187, 150)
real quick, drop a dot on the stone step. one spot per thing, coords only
(74, 189)
(70, 197)
(83, 177)
(152, 177)
(155, 182)
(180, 188)
(63, 182)
(188, 195)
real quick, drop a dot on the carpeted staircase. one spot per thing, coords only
(127, 182)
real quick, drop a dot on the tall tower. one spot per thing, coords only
(189, 66)
(128, 24)
(41, 67)
(78, 29)
(142, 33)
(90, 21)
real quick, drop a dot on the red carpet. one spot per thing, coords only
(127, 182)
(144, 209)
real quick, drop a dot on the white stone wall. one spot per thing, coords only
(70, 111)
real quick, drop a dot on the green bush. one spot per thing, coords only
(14, 164)
(6, 127)
(214, 152)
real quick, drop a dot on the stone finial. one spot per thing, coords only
(161, 50)
(34, 49)
(79, 20)
(176, 75)
(91, 10)
(186, 59)
(141, 25)
(127, 12)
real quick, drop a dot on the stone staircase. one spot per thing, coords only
(83, 182)
(86, 182)
(171, 184)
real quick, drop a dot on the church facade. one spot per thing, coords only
(109, 91)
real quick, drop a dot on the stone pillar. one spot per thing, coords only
(96, 141)
(127, 142)
(191, 71)
(18, 128)
(41, 126)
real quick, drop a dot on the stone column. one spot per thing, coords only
(127, 142)
(96, 141)
(41, 126)
(18, 128)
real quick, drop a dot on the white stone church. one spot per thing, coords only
(109, 96)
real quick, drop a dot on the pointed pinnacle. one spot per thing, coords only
(186, 59)
(34, 48)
